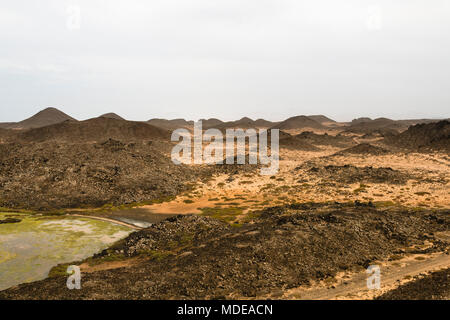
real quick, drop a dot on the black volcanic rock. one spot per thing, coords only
(60, 174)
(364, 149)
(95, 129)
(425, 136)
(383, 125)
(325, 139)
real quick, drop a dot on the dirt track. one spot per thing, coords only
(354, 286)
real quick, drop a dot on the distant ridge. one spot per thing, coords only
(363, 125)
(360, 120)
(211, 123)
(170, 124)
(43, 118)
(245, 123)
(325, 139)
(96, 129)
(424, 136)
(111, 115)
(367, 125)
(295, 143)
(264, 123)
(321, 119)
(298, 122)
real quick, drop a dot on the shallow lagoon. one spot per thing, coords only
(30, 248)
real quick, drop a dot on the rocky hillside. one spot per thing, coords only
(97, 129)
(171, 124)
(112, 115)
(299, 122)
(43, 118)
(423, 137)
(383, 125)
(211, 123)
(51, 175)
(325, 139)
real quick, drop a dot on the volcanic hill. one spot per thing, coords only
(43, 118)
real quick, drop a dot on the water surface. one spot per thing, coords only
(30, 248)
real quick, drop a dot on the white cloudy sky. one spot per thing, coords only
(225, 58)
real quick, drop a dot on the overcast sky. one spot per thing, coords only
(225, 58)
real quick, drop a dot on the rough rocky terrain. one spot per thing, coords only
(194, 257)
(4, 135)
(366, 125)
(55, 175)
(51, 175)
(352, 174)
(435, 286)
(424, 137)
(293, 142)
(244, 123)
(363, 149)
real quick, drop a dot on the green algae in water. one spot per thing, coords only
(30, 248)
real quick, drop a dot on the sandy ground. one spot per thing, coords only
(428, 189)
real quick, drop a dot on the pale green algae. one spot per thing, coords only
(30, 248)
